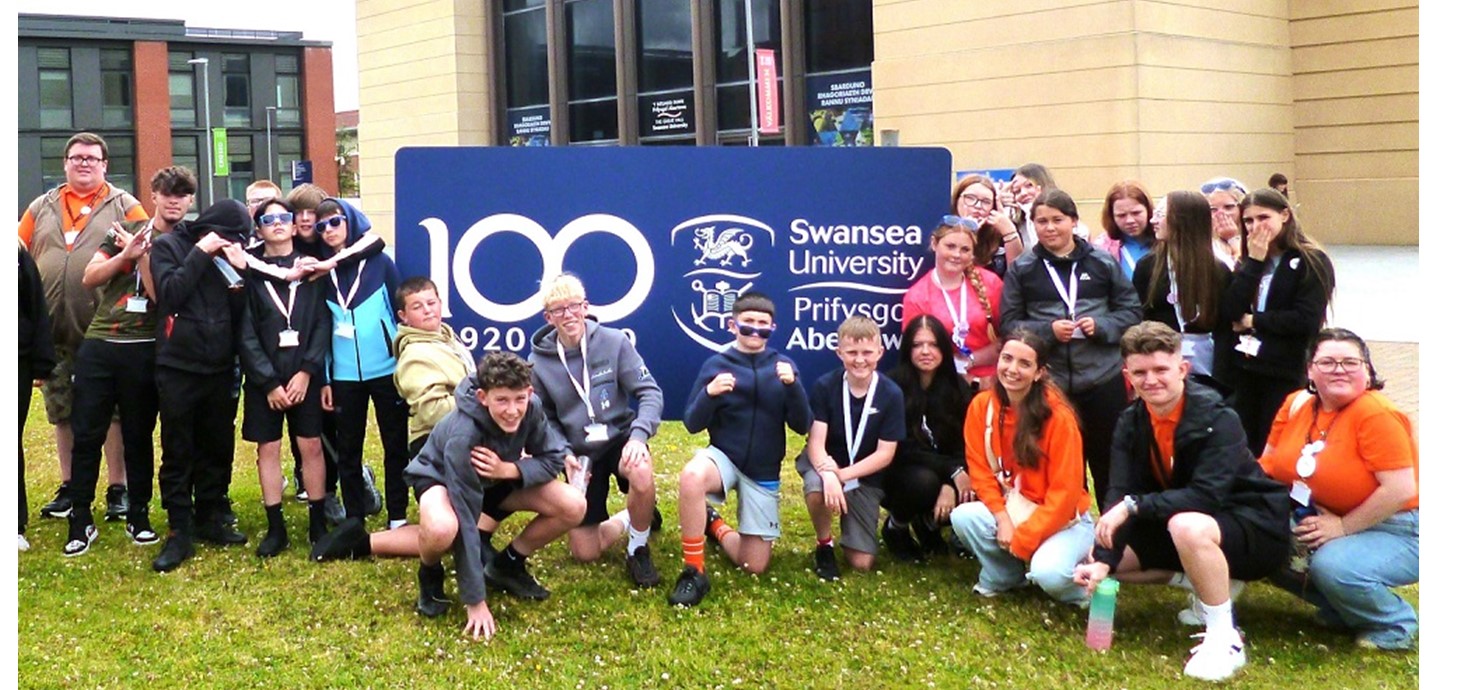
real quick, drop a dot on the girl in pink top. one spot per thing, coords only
(962, 295)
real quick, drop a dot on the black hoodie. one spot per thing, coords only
(198, 313)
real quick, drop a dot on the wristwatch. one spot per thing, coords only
(1130, 504)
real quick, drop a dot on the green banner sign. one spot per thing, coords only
(220, 152)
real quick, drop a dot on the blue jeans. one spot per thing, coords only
(1350, 578)
(1053, 564)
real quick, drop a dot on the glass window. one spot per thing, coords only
(593, 120)
(178, 61)
(116, 88)
(286, 64)
(55, 87)
(240, 164)
(591, 69)
(180, 95)
(53, 168)
(286, 93)
(838, 35)
(289, 148)
(514, 5)
(121, 165)
(236, 112)
(666, 49)
(525, 34)
(731, 62)
(185, 153)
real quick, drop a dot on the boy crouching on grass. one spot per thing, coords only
(472, 463)
(746, 396)
(857, 424)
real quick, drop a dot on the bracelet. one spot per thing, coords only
(1011, 237)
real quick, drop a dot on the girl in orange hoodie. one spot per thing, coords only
(1031, 523)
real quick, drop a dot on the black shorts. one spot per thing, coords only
(605, 461)
(1251, 553)
(264, 425)
(492, 498)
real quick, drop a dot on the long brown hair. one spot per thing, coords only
(1291, 237)
(1034, 410)
(987, 240)
(1187, 251)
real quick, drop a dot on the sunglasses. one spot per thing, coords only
(272, 218)
(333, 221)
(749, 330)
(1223, 184)
(960, 221)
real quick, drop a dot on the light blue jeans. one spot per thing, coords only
(1053, 564)
(1350, 578)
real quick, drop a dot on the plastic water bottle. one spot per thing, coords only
(580, 480)
(1301, 555)
(1102, 615)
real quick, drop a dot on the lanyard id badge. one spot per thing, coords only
(854, 437)
(1070, 296)
(594, 431)
(288, 337)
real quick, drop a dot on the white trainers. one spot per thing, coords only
(24, 545)
(1218, 657)
(1193, 615)
(985, 592)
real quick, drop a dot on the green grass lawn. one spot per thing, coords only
(229, 619)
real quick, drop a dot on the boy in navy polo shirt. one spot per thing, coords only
(858, 423)
(745, 396)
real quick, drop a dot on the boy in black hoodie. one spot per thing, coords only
(195, 355)
(283, 340)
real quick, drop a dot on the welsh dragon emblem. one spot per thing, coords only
(730, 244)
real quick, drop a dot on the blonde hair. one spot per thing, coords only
(565, 286)
(858, 328)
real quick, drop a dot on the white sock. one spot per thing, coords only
(1219, 618)
(637, 538)
(396, 524)
(622, 517)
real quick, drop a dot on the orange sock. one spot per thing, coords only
(694, 552)
(719, 529)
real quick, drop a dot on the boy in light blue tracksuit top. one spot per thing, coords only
(362, 362)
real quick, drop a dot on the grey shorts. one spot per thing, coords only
(760, 508)
(859, 524)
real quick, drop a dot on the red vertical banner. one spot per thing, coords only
(768, 96)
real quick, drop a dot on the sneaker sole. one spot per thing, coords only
(56, 513)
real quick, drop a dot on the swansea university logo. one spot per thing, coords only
(721, 271)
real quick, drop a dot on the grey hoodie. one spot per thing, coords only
(446, 461)
(618, 376)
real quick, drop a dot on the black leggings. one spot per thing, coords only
(912, 482)
(352, 399)
(1257, 400)
(1099, 408)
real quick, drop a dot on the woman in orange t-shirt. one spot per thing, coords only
(1350, 456)
(1034, 437)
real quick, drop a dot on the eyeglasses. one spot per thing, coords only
(574, 308)
(1328, 365)
(1223, 184)
(272, 218)
(332, 221)
(84, 160)
(976, 201)
(960, 221)
(749, 330)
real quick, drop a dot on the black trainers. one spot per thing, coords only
(334, 512)
(900, 542)
(221, 533)
(658, 522)
(641, 568)
(79, 539)
(512, 577)
(273, 543)
(373, 502)
(432, 600)
(826, 567)
(116, 503)
(930, 536)
(60, 506)
(711, 515)
(175, 550)
(140, 530)
(691, 587)
(349, 540)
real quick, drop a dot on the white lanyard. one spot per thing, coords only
(346, 299)
(1175, 299)
(960, 317)
(583, 389)
(1125, 256)
(1073, 293)
(288, 312)
(854, 441)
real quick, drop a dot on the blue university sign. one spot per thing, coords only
(665, 239)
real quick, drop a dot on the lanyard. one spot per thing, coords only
(855, 440)
(1175, 299)
(346, 299)
(288, 312)
(960, 317)
(1125, 255)
(1073, 293)
(583, 389)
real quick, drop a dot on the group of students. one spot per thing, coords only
(999, 403)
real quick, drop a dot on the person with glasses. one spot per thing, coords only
(745, 396)
(601, 397)
(62, 229)
(1030, 180)
(962, 294)
(1075, 297)
(1224, 198)
(1350, 458)
(997, 240)
(1279, 298)
(284, 339)
(361, 299)
(1127, 219)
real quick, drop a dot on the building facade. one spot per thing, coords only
(1169, 93)
(155, 88)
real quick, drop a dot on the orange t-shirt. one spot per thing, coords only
(1164, 429)
(1057, 485)
(71, 216)
(1369, 435)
